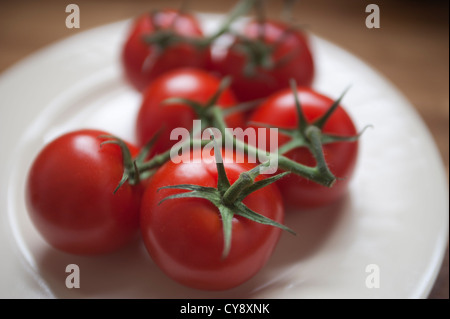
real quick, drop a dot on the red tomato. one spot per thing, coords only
(70, 200)
(143, 62)
(192, 84)
(279, 110)
(184, 236)
(291, 58)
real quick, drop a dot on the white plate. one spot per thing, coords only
(395, 216)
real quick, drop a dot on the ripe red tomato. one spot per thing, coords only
(69, 195)
(279, 110)
(188, 83)
(184, 236)
(278, 53)
(143, 62)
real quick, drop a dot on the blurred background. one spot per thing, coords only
(411, 47)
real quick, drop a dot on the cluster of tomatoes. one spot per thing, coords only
(91, 193)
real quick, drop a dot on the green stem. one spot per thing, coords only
(245, 180)
(222, 180)
(223, 85)
(313, 133)
(311, 173)
(232, 193)
(156, 161)
(294, 143)
(240, 9)
(320, 175)
(302, 122)
(218, 121)
(160, 159)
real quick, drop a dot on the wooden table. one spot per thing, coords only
(411, 47)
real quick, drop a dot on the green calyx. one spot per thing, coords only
(310, 135)
(164, 38)
(259, 52)
(206, 111)
(133, 171)
(228, 198)
(202, 110)
(130, 171)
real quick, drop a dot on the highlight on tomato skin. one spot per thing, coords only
(70, 195)
(184, 236)
(341, 157)
(143, 61)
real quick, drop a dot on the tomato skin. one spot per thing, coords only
(299, 65)
(184, 236)
(136, 54)
(70, 200)
(299, 192)
(193, 84)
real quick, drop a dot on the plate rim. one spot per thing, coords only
(35, 56)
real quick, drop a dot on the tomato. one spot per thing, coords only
(143, 62)
(70, 199)
(289, 58)
(279, 110)
(184, 236)
(193, 84)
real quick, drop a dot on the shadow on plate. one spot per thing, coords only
(314, 228)
(130, 272)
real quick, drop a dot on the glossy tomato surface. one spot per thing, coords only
(279, 110)
(143, 61)
(70, 199)
(185, 238)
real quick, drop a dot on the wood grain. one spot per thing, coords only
(411, 48)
